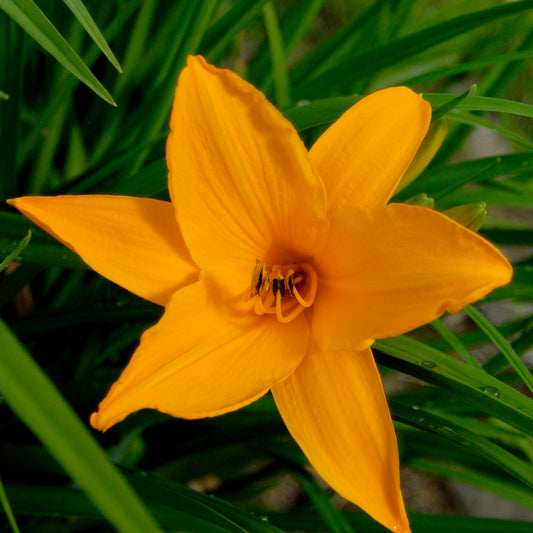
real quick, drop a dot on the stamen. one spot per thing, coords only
(300, 281)
(312, 279)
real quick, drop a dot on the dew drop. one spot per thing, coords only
(415, 407)
(492, 391)
(263, 518)
(446, 429)
(428, 364)
(420, 418)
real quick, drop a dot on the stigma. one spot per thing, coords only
(283, 290)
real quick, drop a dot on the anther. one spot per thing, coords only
(300, 281)
(290, 282)
(278, 286)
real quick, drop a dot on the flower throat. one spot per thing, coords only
(285, 290)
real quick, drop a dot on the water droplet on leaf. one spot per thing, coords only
(492, 391)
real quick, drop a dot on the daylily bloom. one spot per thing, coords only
(278, 268)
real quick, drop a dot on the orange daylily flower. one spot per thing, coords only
(278, 268)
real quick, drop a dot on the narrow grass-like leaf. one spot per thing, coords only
(475, 386)
(424, 419)
(483, 103)
(4, 501)
(440, 111)
(468, 66)
(84, 17)
(470, 119)
(52, 420)
(43, 249)
(319, 112)
(405, 47)
(439, 180)
(11, 73)
(4, 96)
(499, 340)
(189, 510)
(333, 518)
(16, 251)
(35, 23)
(277, 55)
(330, 52)
(222, 32)
(472, 476)
(420, 523)
(456, 344)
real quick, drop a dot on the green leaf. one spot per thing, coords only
(34, 22)
(441, 180)
(45, 412)
(388, 54)
(483, 103)
(84, 17)
(499, 340)
(333, 518)
(470, 119)
(456, 429)
(443, 109)
(4, 500)
(474, 386)
(16, 251)
(43, 249)
(277, 54)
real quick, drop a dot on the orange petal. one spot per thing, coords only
(335, 408)
(364, 154)
(134, 242)
(204, 359)
(240, 176)
(390, 269)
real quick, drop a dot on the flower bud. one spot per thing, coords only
(431, 143)
(422, 200)
(470, 216)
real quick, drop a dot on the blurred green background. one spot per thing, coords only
(70, 123)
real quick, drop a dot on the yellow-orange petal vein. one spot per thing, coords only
(363, 155)
(387, 270)
(335, 408)
(203, 360)
(239, 175)
(134, 242)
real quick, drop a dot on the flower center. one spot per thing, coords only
(285, 290)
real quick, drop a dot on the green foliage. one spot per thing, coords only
(466, 415)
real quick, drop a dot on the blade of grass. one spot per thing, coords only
(33, 21)
(43, 249)
(499, 340)
(483, 103)
(221, 33)
(456, 344)
(11, 68)
(470, 119)
(452, 177)
(7, 509)
(424, 419)
(475, 386)
(32, 396)
(16, 252)
(405, 47)
(468, 66)
(277, 55)
(84, 17)
(333, 518)
(440, 111)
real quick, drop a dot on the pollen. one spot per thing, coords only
(283, 290)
